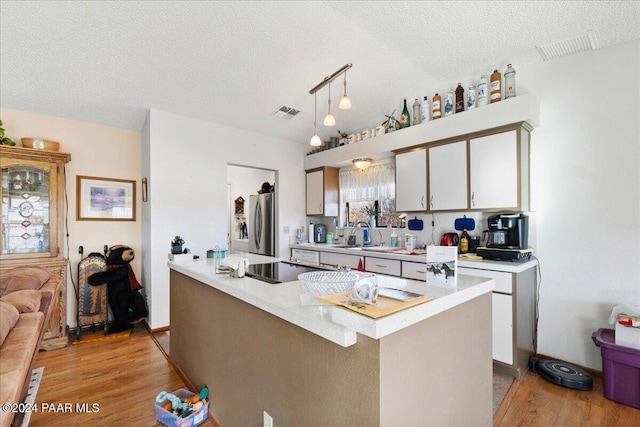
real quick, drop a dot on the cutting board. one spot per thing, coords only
(383, 307)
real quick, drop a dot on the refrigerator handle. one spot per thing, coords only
(258, 225)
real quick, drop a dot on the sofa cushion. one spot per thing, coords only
(23, 278)
(8, 317)
(25, 300)
(17, 354)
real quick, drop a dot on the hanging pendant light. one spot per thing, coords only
(345, 102)
(315, 139)
(329, 120)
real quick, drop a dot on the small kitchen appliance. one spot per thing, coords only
(449, 239)
(320, 233)
(507, 231)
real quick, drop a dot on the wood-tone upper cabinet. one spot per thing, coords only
(322, 189)
(448, 188)
(411, 181)
(499, 170)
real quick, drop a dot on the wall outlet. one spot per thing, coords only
(286, 229)
(267, 419)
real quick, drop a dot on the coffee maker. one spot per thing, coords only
(507, 231)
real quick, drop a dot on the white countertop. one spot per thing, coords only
(506, 266)
(336, 324)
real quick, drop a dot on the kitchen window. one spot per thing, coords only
(374, 186)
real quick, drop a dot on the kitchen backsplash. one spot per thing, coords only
(429, 235)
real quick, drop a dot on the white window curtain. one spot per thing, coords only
(374, 183)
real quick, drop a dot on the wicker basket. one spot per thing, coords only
(323, 283)
(40, 144)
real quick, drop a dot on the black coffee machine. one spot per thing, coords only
(507, 231)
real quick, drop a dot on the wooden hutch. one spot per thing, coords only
(33, 218)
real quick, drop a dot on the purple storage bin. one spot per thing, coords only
(620, 369)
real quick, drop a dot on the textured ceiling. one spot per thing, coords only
(236, 62)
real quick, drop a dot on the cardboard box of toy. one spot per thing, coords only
(628, 331)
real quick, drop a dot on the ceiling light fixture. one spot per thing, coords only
(329, 120)
(345, 102)
(362, 162)
(315, 139)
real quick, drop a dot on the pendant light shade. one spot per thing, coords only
(329, 120)
(315, 139)
(345, 102)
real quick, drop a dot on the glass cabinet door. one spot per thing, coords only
(28, 209)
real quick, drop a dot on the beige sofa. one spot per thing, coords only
(26, 294)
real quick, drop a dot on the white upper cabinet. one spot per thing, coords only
(494, 171)
(448, 188)
(411, 181)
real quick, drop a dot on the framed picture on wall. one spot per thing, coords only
(105, 199)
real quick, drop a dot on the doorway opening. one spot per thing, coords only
(242, 183)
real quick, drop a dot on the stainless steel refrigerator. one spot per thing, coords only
(262, 224)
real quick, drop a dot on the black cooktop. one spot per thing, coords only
(277, 272)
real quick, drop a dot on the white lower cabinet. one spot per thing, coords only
(382, 266)
(513, 318)
(502, 326)
(414, 270)
(340, 260)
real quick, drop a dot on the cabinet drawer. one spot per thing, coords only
(304, 256)
(382, 266)
(414, 270)
(334, 259)
(504, 281)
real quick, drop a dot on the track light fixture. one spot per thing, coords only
(345, 102)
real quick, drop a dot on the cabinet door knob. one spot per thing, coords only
(422, 201)
(473, 195)
(432, 201)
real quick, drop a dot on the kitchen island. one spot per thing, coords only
(263, 348)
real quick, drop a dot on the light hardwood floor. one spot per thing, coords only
(123, 377)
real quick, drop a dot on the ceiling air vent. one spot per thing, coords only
(285, 112)
(569, 46)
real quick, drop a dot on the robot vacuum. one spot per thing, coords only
(562, 373)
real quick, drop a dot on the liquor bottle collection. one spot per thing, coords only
(455, 101)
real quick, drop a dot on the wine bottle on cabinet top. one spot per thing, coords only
(459, 98)
(405, 118)
(482, 91)
(435, 107)
(496, 90)
(509, 82)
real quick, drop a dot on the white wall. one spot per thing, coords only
(187, 173)
(586, 191)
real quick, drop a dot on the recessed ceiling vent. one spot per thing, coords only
(569, 46)
(285, 112)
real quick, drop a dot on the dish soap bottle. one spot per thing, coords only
(394, 239)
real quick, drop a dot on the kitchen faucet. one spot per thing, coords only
(366, 239)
